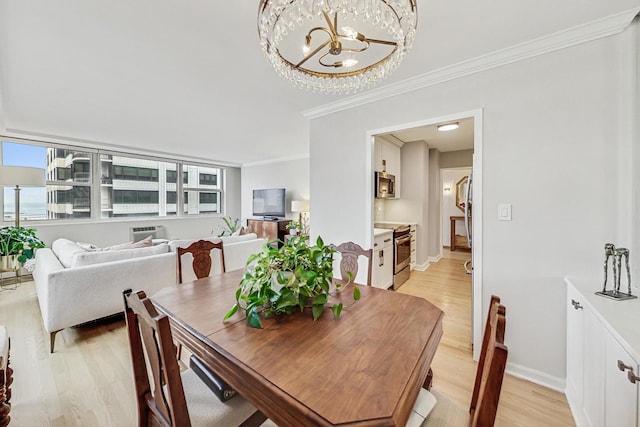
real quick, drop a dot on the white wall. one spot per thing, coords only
(449, 179)
(290, 174)
(556, 132)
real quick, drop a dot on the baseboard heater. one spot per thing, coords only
(139, 233)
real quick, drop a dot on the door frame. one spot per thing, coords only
(476, 249)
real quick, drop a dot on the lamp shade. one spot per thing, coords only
(299, 206)
(21, 175)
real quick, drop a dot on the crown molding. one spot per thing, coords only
(302, 156)
(590, 31)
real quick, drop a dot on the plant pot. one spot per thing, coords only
(293, 232)
(9, 262)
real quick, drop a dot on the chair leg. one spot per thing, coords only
(255, 420)
(427, 381)
(52, 338)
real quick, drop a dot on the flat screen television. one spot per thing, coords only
(269, 203)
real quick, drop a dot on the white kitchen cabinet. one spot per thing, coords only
(413, 232)
(602, 356)
(382, 269)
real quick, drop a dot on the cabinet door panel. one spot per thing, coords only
(594, 360)
(575, 351)
(621, 394)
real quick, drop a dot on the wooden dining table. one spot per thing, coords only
(363, 369)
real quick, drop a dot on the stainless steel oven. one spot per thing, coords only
(402, 255)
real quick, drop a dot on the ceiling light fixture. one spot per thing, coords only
(336, 46)
(448, 126)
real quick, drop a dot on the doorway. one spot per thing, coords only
(426, 131)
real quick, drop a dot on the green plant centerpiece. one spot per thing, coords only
(289, 278)
(18, 244)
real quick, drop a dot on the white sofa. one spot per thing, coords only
(75, 285)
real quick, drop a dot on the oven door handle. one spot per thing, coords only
(403, 239)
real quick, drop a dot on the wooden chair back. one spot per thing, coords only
(160, 399)
(491, 366)
(6, 377)
(350, 252)
(201, 252)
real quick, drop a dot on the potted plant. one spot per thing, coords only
(292, 277)
(230, 226)
(294, 227)
(17, 245)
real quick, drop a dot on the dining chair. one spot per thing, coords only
(6, 377)
(438, 410)
(349, 253)
(201, 252)
(170, 397)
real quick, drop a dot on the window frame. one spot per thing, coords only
(95, 201)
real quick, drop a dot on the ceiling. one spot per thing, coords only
(454, 140)
(188, 77)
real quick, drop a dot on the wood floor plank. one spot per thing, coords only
(522, 403)
(87, 381)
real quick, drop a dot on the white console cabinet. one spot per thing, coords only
(603, 339)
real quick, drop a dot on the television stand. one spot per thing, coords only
(268, 229)
(269, 218)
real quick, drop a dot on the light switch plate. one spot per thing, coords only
(504, 211)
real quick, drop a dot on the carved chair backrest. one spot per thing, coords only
(161, 400)
(491, 366)
(201, 252)
(349, 253)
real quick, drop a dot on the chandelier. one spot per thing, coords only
(336, 46)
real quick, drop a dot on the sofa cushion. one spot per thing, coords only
(65, 250)
(239, 238)
(98, 257)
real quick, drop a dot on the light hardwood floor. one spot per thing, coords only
(87, 381)
(522, 403)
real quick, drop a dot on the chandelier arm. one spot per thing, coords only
(312, 53)
(381, 42)
(326, 65)
(332, 28)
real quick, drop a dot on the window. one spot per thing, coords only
(203, 184)
(123, 185)
(208, 179)
(67, 193)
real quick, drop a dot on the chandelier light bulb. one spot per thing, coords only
(349, 62)
(373, 39)
(350, 33)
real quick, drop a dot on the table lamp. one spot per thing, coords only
(302, 207)
(20, 176)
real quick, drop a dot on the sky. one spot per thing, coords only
(24, 155)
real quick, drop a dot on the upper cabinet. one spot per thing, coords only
(387, 159)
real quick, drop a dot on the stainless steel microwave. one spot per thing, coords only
(385, 185)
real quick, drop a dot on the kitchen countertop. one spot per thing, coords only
(380, 231)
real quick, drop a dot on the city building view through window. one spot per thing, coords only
(90, 184)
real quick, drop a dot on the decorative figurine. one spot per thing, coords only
(610, 251)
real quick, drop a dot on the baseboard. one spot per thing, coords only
(422, 267)
(435, 258)
(536, 377)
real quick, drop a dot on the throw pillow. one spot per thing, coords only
(148, 241)
(88, 246)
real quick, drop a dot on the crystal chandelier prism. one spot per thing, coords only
(336, 46)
